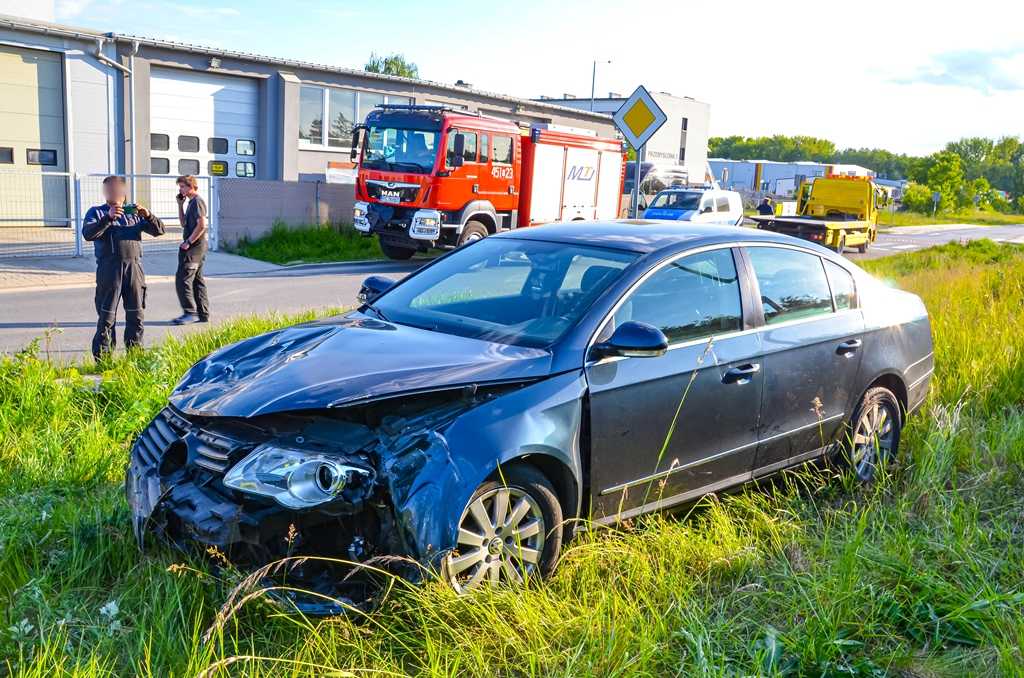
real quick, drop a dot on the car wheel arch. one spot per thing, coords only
(558, 474)
(892, 381)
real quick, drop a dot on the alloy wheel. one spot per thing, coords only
(501, 539)
(874, 438)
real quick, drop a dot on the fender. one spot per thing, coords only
(474, 208)
(544, 418)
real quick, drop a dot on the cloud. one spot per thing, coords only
(986, 71)
(71, 8)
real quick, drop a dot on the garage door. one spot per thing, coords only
(203, 123)
(34, 206)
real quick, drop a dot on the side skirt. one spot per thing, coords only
(711, 488)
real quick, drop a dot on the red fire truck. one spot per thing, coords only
(433, 177)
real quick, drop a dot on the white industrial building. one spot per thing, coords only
(681, 141)
(774, 177)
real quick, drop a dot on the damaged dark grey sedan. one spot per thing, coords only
(466, 415)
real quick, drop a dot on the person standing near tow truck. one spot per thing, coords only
(189, 281)
(115, 229)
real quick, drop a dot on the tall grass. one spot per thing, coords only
(966, 216)
(310, 244)
(919, 575)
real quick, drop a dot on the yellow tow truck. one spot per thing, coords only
(834, 211)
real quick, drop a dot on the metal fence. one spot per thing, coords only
(36, 213)
(41, 213)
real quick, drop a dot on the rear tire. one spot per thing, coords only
(863, 249)
(873, 435)
(395, 252)
(510, 530)
(841, 246)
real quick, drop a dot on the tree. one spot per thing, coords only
(917, 198)
(392, 64)
(946, 177)
(974, 152)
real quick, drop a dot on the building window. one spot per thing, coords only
(187, 144)
(159, 142)
(245, 169)
(682, 141)
(188, 166)
(6, 155)
(41, 156)
(341, 104)
(217, 168)
(217, 145)
(503, 150)
(311, 115)
(245, 147)
(159, 166)
(342, 108)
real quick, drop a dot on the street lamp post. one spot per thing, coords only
(593, 81)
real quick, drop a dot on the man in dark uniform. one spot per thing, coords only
(189, 281)
(115, 230)
(766, 208)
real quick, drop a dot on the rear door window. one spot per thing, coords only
(843, 289)
(793, 284)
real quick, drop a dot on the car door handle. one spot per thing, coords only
(850, 347)
(741, 374)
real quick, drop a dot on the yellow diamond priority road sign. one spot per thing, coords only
(639, 118)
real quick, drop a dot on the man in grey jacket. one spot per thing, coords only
(115, 230)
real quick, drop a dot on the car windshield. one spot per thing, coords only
(400, 150)
(677, 200)
(521, 292)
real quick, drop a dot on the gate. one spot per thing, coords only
(41, 213)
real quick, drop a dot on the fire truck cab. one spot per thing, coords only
(432, 177)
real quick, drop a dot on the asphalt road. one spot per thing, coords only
(29, 314)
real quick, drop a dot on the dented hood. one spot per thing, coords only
(342, 361)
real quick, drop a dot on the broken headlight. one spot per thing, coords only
(295, 479)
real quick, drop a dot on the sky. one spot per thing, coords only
(903, 75)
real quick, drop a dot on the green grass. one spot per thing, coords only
(920, 575)
(309, 245)
(971, 216)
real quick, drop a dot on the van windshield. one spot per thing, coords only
(397, 149)
(677, 200)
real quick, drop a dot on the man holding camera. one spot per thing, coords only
(189, 281)
(115, 230)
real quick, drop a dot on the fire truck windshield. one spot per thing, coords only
(400, 150)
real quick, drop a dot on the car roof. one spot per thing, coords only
(650, 235)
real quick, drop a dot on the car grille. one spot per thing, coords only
(207, 450)
(379, 190)
(165, 429)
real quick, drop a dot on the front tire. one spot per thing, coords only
(510, 531)
(395, 252)
(863, 249)
(873, 437)
(471, 232)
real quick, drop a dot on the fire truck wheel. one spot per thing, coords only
(393, 252)
(472, 231)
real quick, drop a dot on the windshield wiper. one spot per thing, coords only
(376, 311)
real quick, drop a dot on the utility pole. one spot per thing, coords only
(593, 82)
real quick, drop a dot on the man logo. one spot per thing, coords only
(581, 173)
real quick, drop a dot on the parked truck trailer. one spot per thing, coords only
(433, 177)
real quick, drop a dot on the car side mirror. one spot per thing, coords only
(459, 150)
(632, 339)
(373, 287)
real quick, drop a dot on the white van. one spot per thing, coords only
(697, 205)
